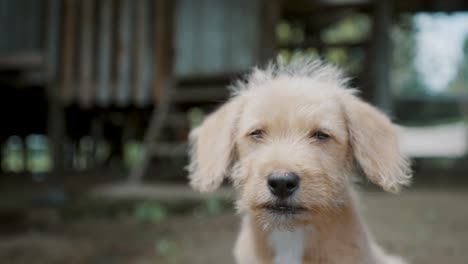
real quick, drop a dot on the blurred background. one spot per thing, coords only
(97, 98)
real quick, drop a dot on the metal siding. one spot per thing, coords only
(199, 39)
(185, 37)
(68, 51)
(143, 55)
(52, 46)
(124, 53)
(148, 65)
(103, 92)
(214, 41)
(216, 37)
(244, 22)
(108, 58)
(86, 82)
(23, 21)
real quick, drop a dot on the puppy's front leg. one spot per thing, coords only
(251, 247)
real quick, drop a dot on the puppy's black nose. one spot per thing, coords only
(283, 185)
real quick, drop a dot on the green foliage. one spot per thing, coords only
(38, 158)
(459, 85)
(405, 80)
(166, 248)
(213, 205)
(133, 153)
(349, 29)
(286, 55)
(196, 116)
(31, 154)
(150, 211)
(288, 33)
(351, 60)
(13, 155)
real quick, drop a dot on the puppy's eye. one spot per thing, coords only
(257, 134)
(320, 135)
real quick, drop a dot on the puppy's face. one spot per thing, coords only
(289, 143)
(293, 151)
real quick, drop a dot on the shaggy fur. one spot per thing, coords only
(270, 124)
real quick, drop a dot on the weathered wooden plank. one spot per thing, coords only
(21, 60)
(21, 25)
(68, 51)
(164, 27)
(380, 54)
(18, 24)
(32, 17)
(217, 37)
(13, 26)
(185, 36)
(213, 44)
(124, 53)
(198, 48)
(51, 49)
(244, 30)
(148, 64)
(86, 87)
(163, 50)
(142, 63)
(56, 113)
(269, 18)
(103, 92)
(202, 93)
(3, 24)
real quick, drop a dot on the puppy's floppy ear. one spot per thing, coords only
(212, 147)
(375, 145)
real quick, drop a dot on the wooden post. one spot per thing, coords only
(381, 54)
(56, 115)
(67, 87)
(270, 17)
(163, 82)
(104, 53)
(87, 85)
(124, 69)
(464, 113)
(142, 51)
(164, 48)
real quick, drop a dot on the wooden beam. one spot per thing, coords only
(164, 83)
(202, 94)
(21, 61)
(56, 112)
(164, 47)
(380, 55)
(142, 51)
(307, 8)
(124, 52)
(270, 15)
(322, 45)
(67, 87)
(86, 95)
(104, 53)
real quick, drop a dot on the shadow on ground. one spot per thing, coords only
(427, 226)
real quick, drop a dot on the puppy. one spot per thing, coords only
(289, 139)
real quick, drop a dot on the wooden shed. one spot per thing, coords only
(123, 54)
(115, 52)
(102, 56)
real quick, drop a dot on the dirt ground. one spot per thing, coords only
(427, 226)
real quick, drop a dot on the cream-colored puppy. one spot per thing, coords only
(288, 139)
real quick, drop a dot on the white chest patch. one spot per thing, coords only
(288, 246)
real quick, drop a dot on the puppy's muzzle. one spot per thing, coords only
(283, 184)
